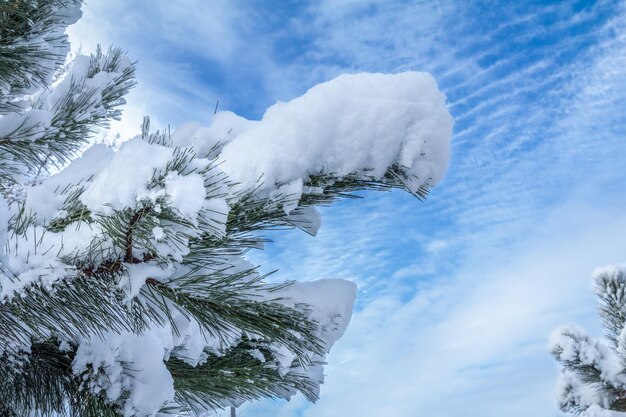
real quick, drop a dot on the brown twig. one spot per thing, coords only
(128, 256)
(106, 267)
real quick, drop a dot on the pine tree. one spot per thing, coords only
(124, 285)
(592, 382)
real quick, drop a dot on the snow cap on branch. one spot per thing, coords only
(352, 123)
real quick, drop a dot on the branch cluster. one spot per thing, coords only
(124, 283)
(593, 372)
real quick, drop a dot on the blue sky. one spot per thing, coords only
(458, 294)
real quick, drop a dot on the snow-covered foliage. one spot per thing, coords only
(125, 289)
(592, 382)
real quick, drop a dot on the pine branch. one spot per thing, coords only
(83, 105)
(610, 288)
(203, 278)
(226, 307)
(44, 384)
(32, 46)
(132, 224)
(590, 365)
(84, 306)
(236, 375)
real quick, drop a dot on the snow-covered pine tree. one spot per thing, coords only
(592, 382)
(124, 286)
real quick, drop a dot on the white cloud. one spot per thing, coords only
(436, 245)
(169, 41)
(474, 343)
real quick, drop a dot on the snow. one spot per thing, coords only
(596, 411)
(36, 259)
(5, 215)
(158, 233)
(125, 180)
(289, 194)
(37, 270)
(137, 274)
(225, 125)
(258, 355)
(330, 300)
(571, 346)
(84, 72)
(217, 210)
(54, 41)
(187, 193)
(343, 126)
(47, 198)
(131, 368)
(78, 70)
(612, 273)
(34, 121)
(134, 174)
(571, 390)
(146, 385)
(69, 13)
(285, 358)
(330, 303)
(190, 347)
(308, 219)
(49, 100)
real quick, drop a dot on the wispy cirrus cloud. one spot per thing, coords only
(470, 339)
(464, 331)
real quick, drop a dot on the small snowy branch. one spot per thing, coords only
(593, 377)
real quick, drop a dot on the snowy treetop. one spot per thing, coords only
(592, 382)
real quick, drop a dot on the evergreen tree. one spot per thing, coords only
(592, 382)
(124, 286)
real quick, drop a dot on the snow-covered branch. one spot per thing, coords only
(124, 285)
